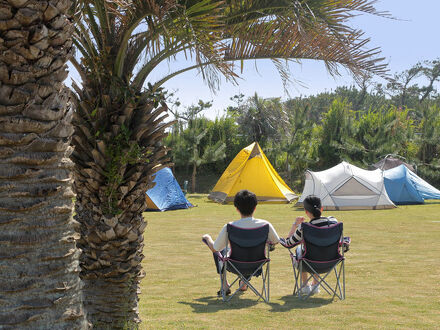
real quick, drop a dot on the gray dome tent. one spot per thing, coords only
(347, 187)
(391, 161)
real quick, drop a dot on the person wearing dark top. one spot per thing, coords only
(313, 208)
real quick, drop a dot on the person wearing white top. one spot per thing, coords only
(245, 202)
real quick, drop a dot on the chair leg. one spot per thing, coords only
(327, 286)
(266, 285)
(337, 286)
(223, 282)
(343, 278)
(264, 291)
(268, 282)
(246, 280)
(341, 295)
(295, 274)
(264, 294)
(324, 284)
(338, 290)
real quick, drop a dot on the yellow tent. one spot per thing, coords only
(251, 170)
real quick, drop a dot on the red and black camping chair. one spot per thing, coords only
(322, 256)
(248, 258)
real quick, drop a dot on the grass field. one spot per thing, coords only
(392, 272)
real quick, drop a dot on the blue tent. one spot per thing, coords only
(166, 194)
(405, 187)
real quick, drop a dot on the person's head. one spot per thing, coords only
(245, 202)
(312, 205)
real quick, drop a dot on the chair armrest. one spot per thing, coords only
(271, 246)
(346, 243)
(287, 246)
(217, 253)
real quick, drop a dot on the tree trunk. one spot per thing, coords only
(193, 178)
(116, 152)
(111, 263)
(289, 175)
(39, 262)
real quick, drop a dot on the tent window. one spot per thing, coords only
(255, 152)
(353, 187)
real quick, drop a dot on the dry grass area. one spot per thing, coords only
(392, 272)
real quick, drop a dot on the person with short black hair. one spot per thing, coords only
(245, 202)
(313, 208)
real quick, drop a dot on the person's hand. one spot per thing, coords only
(208, 241)
(295, 225)
(299, 220)
(206, 238)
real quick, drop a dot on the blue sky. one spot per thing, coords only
(404, 42)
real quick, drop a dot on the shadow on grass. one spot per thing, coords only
(214, 304)
(292, 302)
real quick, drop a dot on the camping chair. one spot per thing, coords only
(249, 257)
(323, 255)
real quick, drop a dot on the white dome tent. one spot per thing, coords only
(347, 187)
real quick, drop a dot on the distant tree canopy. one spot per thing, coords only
(360, 124)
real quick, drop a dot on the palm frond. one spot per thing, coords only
(310, 36)
(213, 34)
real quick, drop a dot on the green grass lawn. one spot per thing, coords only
(392, 272)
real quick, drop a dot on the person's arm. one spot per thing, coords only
(273, 237)
(219, 244)
(295, 226)
(295, 234)
(209, 242)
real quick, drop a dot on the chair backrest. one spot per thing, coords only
(322, 243)
(248, 244)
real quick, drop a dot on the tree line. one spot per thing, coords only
(361, 124)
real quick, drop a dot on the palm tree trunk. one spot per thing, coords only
(111, 267)
(40, 286)
(114, 161)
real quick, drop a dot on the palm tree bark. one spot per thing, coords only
(111, 181)
(111, 276)
(40, 286)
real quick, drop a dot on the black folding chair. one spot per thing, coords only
(248, 258)
(323, 255)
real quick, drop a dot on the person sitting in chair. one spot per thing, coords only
(313, 209)
(245, 202)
